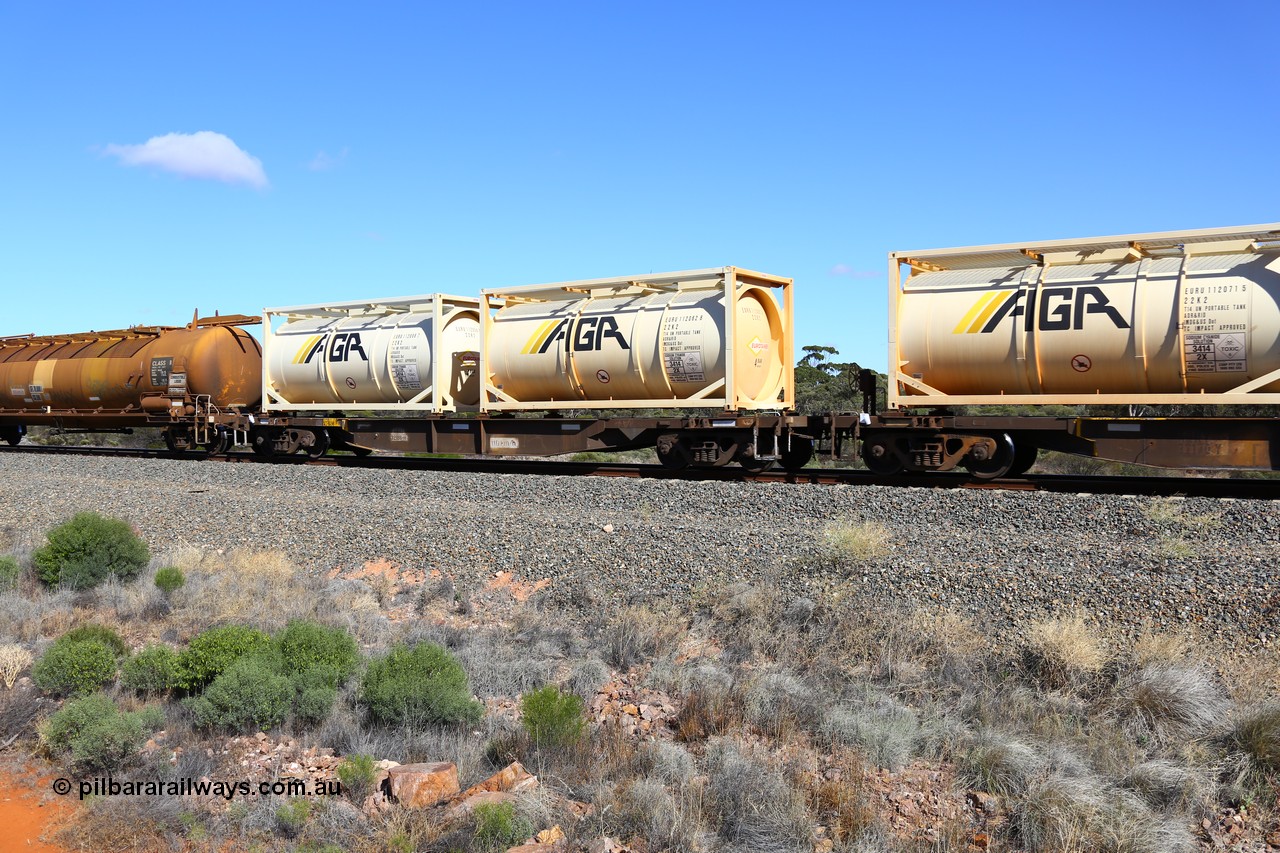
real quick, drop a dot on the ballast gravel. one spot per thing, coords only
(1002, 557)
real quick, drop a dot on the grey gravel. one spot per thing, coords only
(1003, 557)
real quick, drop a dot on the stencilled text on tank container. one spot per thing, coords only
(1215, 327)
(682, 347)
(402, 358)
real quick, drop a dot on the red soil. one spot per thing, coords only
(29, 810)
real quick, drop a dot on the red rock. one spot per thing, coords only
(422, 785)
(981, 840)
(513, 779)
(463, 808)
(982, 801)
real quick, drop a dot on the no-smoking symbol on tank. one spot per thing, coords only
(1081, 363)
(603, 376)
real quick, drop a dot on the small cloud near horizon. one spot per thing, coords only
(205, 155)
(850, 272)
(323, 161)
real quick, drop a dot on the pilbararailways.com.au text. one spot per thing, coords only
(105, 786)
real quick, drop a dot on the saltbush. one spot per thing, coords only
(552, 718)
(292, 816)
(211, 652)
(100, 633)
(304, 645)
(357, 773)
(248, 695)
(10, 573)
(498, 827)
(168, 579)
(85, 551)
(98, 735)
(316, 690)
(418, 685)
(75, 666)
(151, 671)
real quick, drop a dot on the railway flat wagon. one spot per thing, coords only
(1151, 324)
(544, 370)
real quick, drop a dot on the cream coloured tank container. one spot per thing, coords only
(712, 338)
(412, 352)
(1194, 318)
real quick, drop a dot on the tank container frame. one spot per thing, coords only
(441, 306)
(726, 395)
(908, 392)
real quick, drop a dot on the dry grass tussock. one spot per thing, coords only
(1256, 679)
(262, 589)
(1171, 702)
(13, 660)
(27, 617)
(1160, 647)
(851, 542)
(1064, 652)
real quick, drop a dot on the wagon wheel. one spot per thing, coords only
(879, 456)
(171, 441)
(320, 446)
(673, 453)
(997, 465)
(218, 444)
(263, 442)
(754, 465)
(798, 454)
(1024, 456)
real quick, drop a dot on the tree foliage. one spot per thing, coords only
(826, 385)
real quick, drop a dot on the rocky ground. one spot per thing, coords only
(1002, 557)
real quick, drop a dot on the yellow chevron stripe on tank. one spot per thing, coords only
(963, 325)
(1001, 298)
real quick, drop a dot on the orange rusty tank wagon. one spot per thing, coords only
(129, 377)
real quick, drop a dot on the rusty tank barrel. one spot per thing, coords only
(93, 375)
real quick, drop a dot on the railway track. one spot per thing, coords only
(1219, 487)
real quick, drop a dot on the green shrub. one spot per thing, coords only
(316, 690)
(86, 550)
(418, 685)
(211, 652)
(77, 666)
(292, 816)
(151, 671)
(249, 694)
(10, 573)
(552, 718)
(304, 645)
(97, 734)
(168, 579)
(100, 633)
(357, 773)
(499, 827)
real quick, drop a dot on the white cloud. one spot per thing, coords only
(323, 161)
(204, 154)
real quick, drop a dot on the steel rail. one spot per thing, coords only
(1189, 486)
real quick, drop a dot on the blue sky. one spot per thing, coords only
(380, 149)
